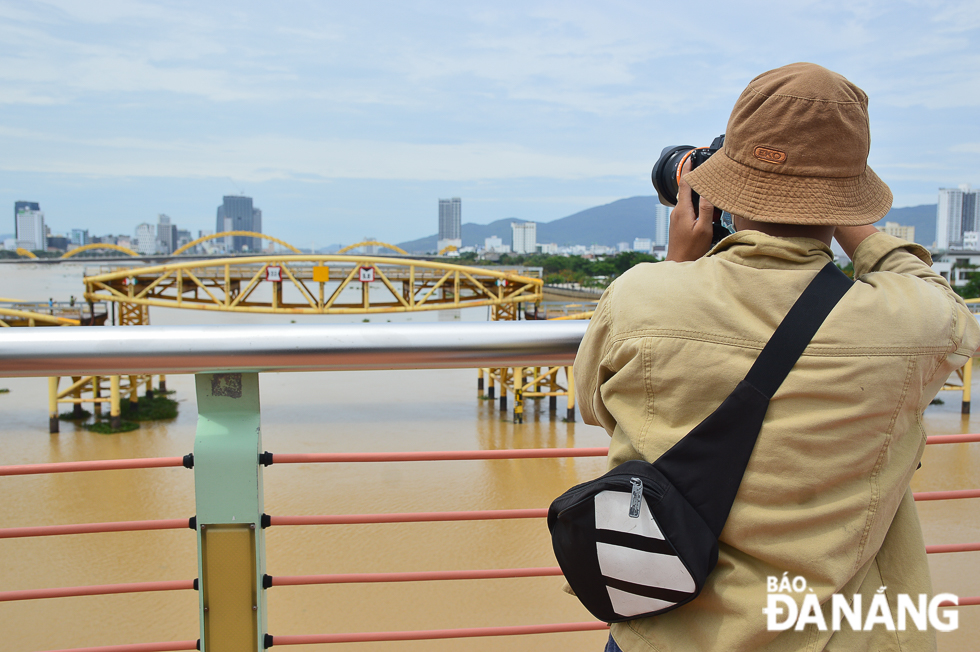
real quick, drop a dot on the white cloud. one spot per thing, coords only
(262, 158)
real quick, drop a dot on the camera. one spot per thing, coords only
(666, 176)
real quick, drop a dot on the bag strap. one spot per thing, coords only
(796, 330)
(706, 466)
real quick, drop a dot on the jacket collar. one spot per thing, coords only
(756, 249)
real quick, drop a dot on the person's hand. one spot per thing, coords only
(849, 237)
(690, 236)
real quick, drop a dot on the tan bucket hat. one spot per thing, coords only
(796, 152)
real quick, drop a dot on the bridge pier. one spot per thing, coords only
(53, 424)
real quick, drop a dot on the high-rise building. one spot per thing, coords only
(20, 205)
(237, 213)
(146, 239)
(79, 237)
(525, 237)
(661, 225)
(957, 212)
(30, 233)
(450, 219)
(166, 235)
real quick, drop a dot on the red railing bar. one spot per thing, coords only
(482, 515)
(90, 528)
(104, 589)
(953, 439)
(974, 600)
(408, 517)
(953, 547)
(93, 465)
(421, 635)
(423, 576)
(418, 456)
(299, 458)
(506, 454)
(429, 456)
(173, 646)
(947, 495)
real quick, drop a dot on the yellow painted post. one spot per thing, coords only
(491, 390)
(967, 381)
(134, 397)
(552, 389)
(163, 383)
(149, 388)
(77, 410)
(115, 420)
(479, 382)
(519, 395)
(97, 394)
(53, 404)
(503, 389)
(571, 395)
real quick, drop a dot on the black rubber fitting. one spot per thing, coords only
(189, 461)
(268, 641)
(192, 522)
(267, 581)
(266, 521)
(195, 584)
(198, 644)
(265, 459)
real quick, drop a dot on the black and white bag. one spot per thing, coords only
(643, 538)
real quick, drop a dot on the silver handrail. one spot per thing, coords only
(124, 350)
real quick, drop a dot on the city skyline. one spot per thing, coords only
(346, 119)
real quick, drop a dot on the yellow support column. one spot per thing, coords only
(149, 388)
(97, 394)
(491, 390)
(571, 394)
(967, 381)
(115, 420)
(134, 397)
(519, 395)
(479, 382)
(163, 384)
(552, 389)
(503, 389)
(53, 404)
(77, 410)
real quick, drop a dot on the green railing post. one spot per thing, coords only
(228, 491)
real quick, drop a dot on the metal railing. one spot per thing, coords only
(253, 349)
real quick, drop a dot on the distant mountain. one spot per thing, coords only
(621, 221)
(626, 219)
(923, 218)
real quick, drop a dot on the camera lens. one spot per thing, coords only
(664, 175)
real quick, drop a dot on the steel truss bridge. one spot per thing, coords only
(314, 285)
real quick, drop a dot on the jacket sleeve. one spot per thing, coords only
(881, 252)
(590, 371)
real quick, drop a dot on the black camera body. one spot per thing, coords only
(666, 170)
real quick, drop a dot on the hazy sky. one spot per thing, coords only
(345, 120)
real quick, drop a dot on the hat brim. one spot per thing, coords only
(770, 197)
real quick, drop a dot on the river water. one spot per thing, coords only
(333, 412)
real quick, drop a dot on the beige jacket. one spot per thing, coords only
(826, 493)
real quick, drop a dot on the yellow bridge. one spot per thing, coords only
(315, 285)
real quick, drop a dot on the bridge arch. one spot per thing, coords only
(247, 234)
(99, 245)
(24, 252)
(372, 243)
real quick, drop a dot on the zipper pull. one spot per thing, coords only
(636, 497)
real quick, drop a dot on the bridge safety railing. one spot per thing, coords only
(228, 457)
